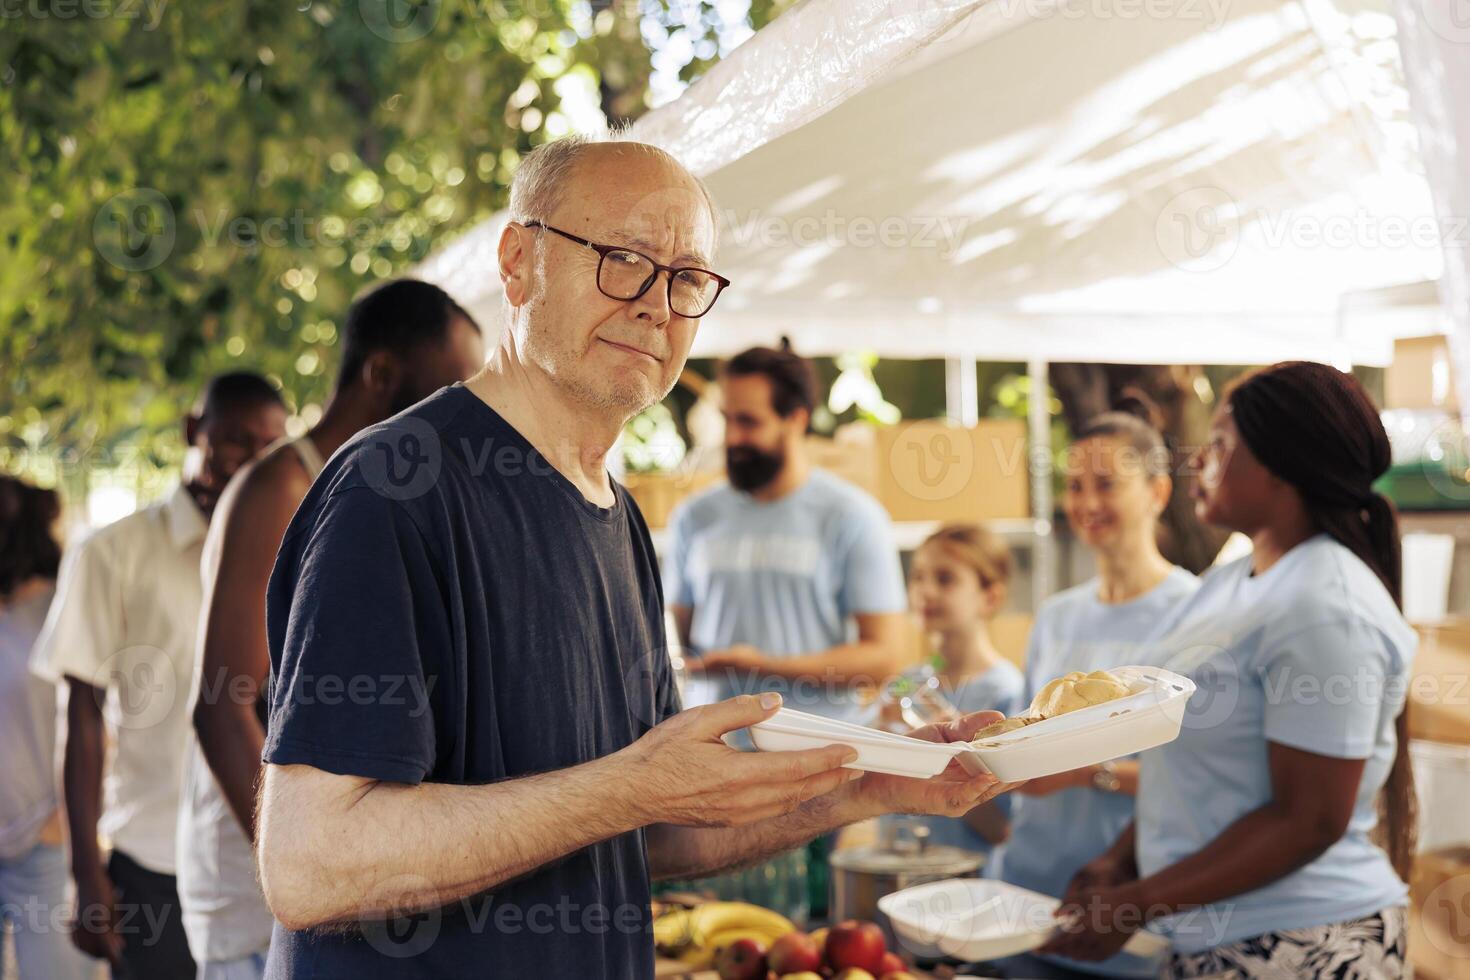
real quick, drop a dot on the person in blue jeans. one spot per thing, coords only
(33, 872)
(958, 581)
(1116, 487)
(1274, 835)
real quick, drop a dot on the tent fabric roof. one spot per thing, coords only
(1111, 180)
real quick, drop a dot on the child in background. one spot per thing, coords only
(957, 584)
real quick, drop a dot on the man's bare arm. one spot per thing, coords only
(235, 658)
(83, 761)
(336, 849)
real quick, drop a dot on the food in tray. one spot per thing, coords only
(1068, 693)
(1003, 726)
(1078, 690)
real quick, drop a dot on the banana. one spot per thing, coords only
(674, 929)
(715, 917)
(727, 936)
(694, 934)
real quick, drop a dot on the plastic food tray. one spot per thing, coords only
(1149, 717)
(977, 919)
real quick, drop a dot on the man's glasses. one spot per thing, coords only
(625, 274)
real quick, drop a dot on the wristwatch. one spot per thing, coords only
(1105, 778)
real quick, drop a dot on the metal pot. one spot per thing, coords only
(862, 875)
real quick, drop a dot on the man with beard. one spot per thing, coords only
(785, 578)
(402, 342)
(121, 631)
(499, 765)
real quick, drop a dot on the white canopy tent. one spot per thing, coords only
(1135, 181)
(1107, 180)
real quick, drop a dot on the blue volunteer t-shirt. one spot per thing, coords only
(447, 608)
(785, 576)
(1312, 654)
(1053, 836)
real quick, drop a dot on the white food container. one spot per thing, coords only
(896, 755)
(977, 919)
(1147, 718)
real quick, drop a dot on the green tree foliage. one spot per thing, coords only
(190, 188)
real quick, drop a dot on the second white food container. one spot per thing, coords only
(1149, 717)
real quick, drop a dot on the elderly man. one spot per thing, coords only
(475, 759)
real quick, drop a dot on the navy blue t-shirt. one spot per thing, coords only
(446, 607)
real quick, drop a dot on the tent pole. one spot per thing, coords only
(961, 390)
(1038, 423)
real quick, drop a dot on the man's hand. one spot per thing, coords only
(688, 776)
(952, 793)
(94, 929)
(740, 657)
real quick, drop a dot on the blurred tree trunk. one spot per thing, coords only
(1086, 390)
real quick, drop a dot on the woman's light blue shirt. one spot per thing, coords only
(1054, 835)
(1311, 654)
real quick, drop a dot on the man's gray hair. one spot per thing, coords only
(541, 179)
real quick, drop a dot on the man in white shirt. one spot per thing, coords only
(121, 631)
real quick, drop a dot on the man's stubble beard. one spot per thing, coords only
(622, 397)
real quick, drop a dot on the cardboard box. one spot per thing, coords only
(1439, 691)
(851, 456)
(657, 494)
(1439, 914)
(934, 471)
(1421, 375)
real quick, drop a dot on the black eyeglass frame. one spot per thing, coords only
(673, 270)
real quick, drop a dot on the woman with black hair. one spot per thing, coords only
(33, 877)
(1256, 845)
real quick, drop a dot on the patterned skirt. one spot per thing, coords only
(1371, 948)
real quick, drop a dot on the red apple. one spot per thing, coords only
(794, 952)
(744, 959)
(892, 964)
(853, 973)
(856, 944)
